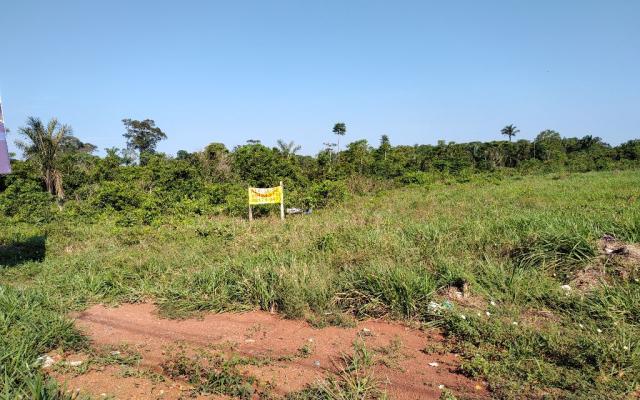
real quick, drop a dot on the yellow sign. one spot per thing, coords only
(265, 195)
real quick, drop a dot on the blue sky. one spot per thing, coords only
(229, 71)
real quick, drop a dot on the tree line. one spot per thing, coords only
(61, 176)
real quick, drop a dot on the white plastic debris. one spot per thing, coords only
(514, 323)
(434, 364)
(316, 363)
(493, 303)
(45, 361)
(625, 348)
(441, 387)
(462, 316)
(488, 313)
(581, 326)
(366, 332)
(433, 306)
(566, 288)
(73, 363)
(599, 330)
(249, 340)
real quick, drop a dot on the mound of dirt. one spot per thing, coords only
(132, 346)
(615, 259)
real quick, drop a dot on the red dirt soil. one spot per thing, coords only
(404, 370)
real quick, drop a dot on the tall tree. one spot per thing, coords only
(358, 156)
(328, 148)
(549, 146)
(216, 162)
(510, 130)
(45, 146)
(288, 149)
(73, 144)
(385, 147)
(142, 136)
(339, 129)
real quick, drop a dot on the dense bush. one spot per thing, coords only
(24, 200)
(416, 178)
(324, 193)
(214, 180)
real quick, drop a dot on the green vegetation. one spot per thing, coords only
(402, 225)
(354, 380)
(60, 178)
(214, 374)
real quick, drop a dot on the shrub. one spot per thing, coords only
(416, 178)
(118, 196)
(325, 193)
(25, 201)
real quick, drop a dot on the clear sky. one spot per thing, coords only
(228, 71)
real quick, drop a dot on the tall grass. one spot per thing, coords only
(29, 326)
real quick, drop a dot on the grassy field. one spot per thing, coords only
(510, 245)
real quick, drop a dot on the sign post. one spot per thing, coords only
(272, 195)
(281, 201)
(250, 210)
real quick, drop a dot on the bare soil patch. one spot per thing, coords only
(615, 259)
(132, 346)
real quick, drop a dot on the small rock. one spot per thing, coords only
(441, 387)
(366, 332)
(434, 364)
(310, 340)
(249, 341)
(115, 353)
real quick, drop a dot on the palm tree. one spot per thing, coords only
(44, 147)
(510, 130)
(288, 149)
(340, 129)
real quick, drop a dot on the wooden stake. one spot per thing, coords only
(281, 201)
(250, 210)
